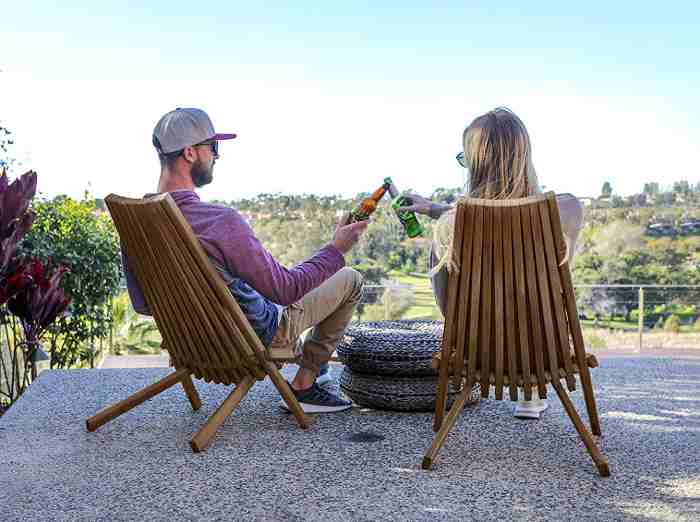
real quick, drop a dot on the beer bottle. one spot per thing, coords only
(368, 205)
(407, 218)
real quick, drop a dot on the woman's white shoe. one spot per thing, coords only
(530, 409)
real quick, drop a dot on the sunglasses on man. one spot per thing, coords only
(213, 144)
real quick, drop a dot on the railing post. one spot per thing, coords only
(641, 316)
(387, 304)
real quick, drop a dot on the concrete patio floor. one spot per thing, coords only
(356, 465)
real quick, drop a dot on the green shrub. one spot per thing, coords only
(672, 324)
(659, 325)
(696, 325)
(76, 234)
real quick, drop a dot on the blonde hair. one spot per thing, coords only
(498, 157)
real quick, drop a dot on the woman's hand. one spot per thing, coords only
(416, 203)
(421, 205)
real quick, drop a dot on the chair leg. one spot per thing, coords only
(191, 392)
(447, 425)
(286, 393)
(206, 434)
(111, 412)
(441, 397)
(587, 386)
(598, 458)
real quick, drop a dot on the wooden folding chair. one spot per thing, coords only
(511, 313)
(203, 328)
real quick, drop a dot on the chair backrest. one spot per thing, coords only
(511, 311)
(203, 328)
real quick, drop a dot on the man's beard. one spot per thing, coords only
(201, 174)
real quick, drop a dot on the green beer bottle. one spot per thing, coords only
(408, 219)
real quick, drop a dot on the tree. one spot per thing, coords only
(651, 189)
(446, 195)
(6, 143)
(681, 187)
(606, 191)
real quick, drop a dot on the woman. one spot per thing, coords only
(498, 159)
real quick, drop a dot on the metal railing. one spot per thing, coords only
(642, 310)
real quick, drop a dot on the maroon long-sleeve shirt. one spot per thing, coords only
(257, 281)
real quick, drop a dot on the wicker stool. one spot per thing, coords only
(388, 365)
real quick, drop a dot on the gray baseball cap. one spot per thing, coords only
(183, 128)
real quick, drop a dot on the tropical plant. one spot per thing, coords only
(37, 301)
(15, 221)
(29, 290)
(133, 332)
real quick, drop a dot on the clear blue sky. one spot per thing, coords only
(330, 99)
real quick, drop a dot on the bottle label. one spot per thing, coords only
(358, 215)
(407, 218)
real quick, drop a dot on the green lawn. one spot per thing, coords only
(626, 326)
(613, 325)
(424, 306)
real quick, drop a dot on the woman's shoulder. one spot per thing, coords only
(570, 209)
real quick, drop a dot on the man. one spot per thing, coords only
(280, 303)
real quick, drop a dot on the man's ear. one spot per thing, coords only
(189, 155)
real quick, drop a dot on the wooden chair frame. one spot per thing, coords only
(511, 314)
(203, 328)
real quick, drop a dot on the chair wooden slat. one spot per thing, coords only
(574, 323)
(499, 316)
(486, 317)
(522, 313)
(449, 333)
(534, 322)
(462, 283)
(510, 319)
(545, 297)
(472, 336)
(558, 308)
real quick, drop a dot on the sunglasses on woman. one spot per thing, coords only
(460, 159)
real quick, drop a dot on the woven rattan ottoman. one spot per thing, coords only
(388, 365)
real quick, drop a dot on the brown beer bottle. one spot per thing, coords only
(368, 205)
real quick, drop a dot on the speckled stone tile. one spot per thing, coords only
(355, 465)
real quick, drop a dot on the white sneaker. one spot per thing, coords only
(530, 409)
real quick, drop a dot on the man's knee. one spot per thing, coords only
(353, 282)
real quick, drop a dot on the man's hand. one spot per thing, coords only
(345, 236)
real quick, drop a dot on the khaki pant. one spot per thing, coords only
(327, 310)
